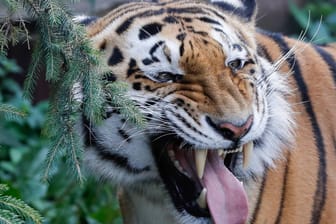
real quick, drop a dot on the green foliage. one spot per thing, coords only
(22, 155)
(320, 19)
(10, 112)
(6, 110)
(68, 58)
(14, 211)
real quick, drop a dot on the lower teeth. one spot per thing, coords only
(201, 201)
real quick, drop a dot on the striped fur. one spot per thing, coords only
(177, 58)
(304, 184)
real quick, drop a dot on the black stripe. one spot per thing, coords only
(187, 124)
(119, 160)
(188, 10)
(283, 192)
(246, 12)
(181, 49)
(262, 51)
(215, 12)
(116, 57)
(320, 194)
(328, 58)
(132, 67)
(209, 20)
(125, 25)
(149, 30)
(171, 19)
(124, 134)
(179, 129)
(155, 47)
(260, 197)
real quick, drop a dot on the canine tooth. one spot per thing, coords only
(240, 149)
(178, 166)
(222, 153)
(171, 153)
(200, 159)
(201, 200)
(247, 150)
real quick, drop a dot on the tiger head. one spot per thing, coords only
(216, 109)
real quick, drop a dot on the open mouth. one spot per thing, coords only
(201, 182)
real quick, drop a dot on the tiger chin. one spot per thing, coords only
(236, 131)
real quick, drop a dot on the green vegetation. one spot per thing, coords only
(320, 19)
(22, 154)
(12, 209)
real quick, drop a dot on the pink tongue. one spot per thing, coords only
(226, 197)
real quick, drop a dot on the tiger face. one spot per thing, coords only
(216, 109)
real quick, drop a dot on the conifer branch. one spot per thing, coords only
(15, 211)
(75, 156)
(10, 112)
(52, 154)
(8, 217)
(33, 72)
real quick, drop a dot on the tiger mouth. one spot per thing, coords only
(185, 170)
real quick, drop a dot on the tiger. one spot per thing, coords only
(240, 122)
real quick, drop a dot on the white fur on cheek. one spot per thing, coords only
(136, 149)
(275, 128)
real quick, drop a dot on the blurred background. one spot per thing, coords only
(23, 148)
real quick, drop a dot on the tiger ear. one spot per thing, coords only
(246, 9)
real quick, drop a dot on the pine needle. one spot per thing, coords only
(10, 112)
(15, 211)
(51, 158)
(9, 217)
(33, 72)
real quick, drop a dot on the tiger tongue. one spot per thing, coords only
(226, 198)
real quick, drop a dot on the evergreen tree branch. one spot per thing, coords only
(33, 72)
(15, 210)
(75, 155)
(10, 112)
(8, 217)
(52, 154)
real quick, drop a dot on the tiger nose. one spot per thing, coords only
(231, 131)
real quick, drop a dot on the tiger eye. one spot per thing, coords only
(236, 64)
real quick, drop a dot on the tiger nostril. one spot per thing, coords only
(232, 131)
